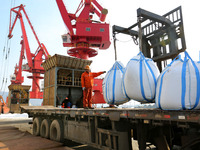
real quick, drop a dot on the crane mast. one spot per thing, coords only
(34, 59)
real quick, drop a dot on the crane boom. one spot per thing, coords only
(65, 16)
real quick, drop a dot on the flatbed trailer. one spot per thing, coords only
(114, 128)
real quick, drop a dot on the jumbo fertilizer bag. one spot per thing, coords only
(140, 77)
(178, 85)
(112, 85)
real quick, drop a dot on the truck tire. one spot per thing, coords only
(56, 131)
(36, 126)
(45, 128)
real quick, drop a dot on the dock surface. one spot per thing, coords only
(11, 138)
(16, 134)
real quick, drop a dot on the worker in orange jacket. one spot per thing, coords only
(87, 81)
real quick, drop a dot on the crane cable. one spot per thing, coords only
(5, 67)
(5, 64)
(4, 57)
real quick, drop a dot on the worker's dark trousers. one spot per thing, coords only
(87, 97)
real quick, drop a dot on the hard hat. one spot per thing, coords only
(87, 67)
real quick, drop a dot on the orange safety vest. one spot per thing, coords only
(63, 105)
(87, 79)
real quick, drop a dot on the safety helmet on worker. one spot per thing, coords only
(87, 67)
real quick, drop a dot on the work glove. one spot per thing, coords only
(83, 88)
(104, 72)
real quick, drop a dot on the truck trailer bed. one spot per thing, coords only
(113, 128)
(117, 113)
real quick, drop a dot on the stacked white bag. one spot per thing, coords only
(140, 77)
(112, 85)
(178, 86)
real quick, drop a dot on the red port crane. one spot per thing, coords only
(34, 59)
(84, 34)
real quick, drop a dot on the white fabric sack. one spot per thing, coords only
(178, 85)
(140, 77)
(112, 85)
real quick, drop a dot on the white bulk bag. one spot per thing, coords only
(112, 85)
(139, 81)
(178, 85)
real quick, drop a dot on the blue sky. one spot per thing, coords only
(48, 24)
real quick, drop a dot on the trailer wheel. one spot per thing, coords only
(36, 126)
(56, 131)
(45, 128)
